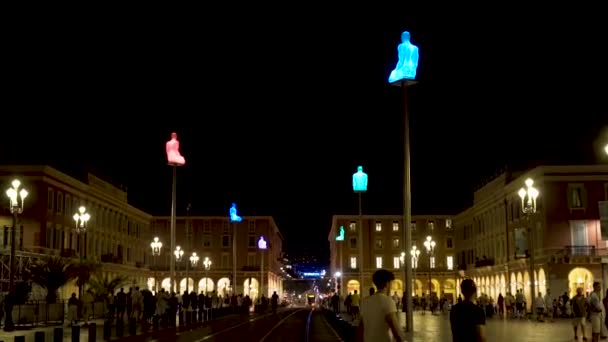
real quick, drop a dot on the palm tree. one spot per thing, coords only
(52, 274)
(101, 286)
(84, 270)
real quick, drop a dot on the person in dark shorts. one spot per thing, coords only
(468, 320)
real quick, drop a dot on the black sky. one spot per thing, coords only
(275, 107)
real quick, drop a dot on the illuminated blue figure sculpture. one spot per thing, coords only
(233, 216)
(408, 60)
(360, 180)
(341, 236)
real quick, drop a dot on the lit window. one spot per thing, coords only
(431, 225)
(378, 243)
(448, 224)
(395, 243)
(396, 262)
(450, 263)
(378, 226)
(395, 226)
(378, 262)
(353, 262)
(352, 226)
(432, 262)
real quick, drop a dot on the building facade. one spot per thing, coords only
(211, 237)
(118, 235)
(492, 238)
(381, 247)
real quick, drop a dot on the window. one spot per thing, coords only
(450, 263)
(352, 226)
(448, 224)
(68, 204)
(225, 240)
(395, 226)
(378, 226)
(251, 241)
(449, 243)
(206, 227)
(430, 225)
(59, 203)
(378, 243)
(413, 226)
(225, 227)
(353, 262)
(250, 260)
(577, 196)
(353, 242)
(206, 240)
(225, 262)
(50, 199)
(395, 242)
(396, 263)
(378, 262)
(252, 226)
(432, 262)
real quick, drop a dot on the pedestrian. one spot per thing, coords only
(595, 307)
(468, 320)
(378, 313)
(580, 309)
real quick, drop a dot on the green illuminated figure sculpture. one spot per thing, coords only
(341, 236)
(360, 180)
(408, 60)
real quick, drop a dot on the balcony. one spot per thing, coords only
(484, 262)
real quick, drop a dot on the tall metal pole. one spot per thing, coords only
(234, 258)
(407, 214)
(9, 325)
(173, 210)
(361, 287)
(531, 265)
(341, 243)
(262, 275)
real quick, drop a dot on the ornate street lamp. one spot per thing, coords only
(429, 244)
(17, 200)
(81, 218)
(207, 264)
(528, 196)
(156, 246)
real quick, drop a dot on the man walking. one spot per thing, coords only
(468, 320)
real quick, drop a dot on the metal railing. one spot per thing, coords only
(41, 313)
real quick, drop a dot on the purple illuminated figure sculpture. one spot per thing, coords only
(173, 155)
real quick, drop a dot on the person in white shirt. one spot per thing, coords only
(549, 305)
(596, 312)
(379, 321)
(539, 304)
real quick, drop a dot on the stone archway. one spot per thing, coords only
(580, 277)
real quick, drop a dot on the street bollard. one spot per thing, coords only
(75, 333)
(39, 336)
(58, 335)
(92, 332)
(19, 338)
(107, 330)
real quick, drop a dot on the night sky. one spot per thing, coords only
(276, 107)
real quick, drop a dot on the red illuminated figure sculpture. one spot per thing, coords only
(173, 155)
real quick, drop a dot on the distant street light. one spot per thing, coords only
(207, 264)
(429, 244)
(606, 148)
(528, 197)
(156, 245)
(81, 218)
(17, 199)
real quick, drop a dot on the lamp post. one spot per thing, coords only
(193, 262)
(234, 219)
(207, 264)
(17, 200)
(262, 247)
(174, 159)
(156, 245)
(528, 197)
(415, 253)
(359, 187)
(81, 218)
(429, 244)
(178, 253)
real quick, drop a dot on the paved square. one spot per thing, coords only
(428, 328)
